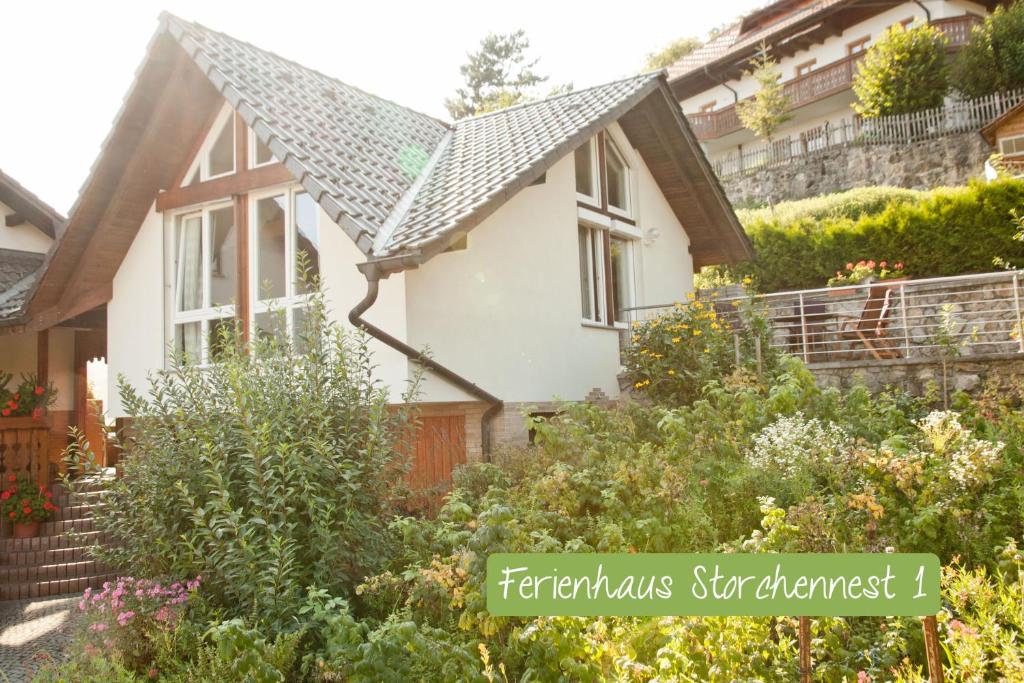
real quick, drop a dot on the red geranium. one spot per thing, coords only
(24, 501)
(29, 397)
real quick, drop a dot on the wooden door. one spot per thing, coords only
(437, 448)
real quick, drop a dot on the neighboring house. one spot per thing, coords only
(509, 244)
(1006, 134)
(28, 228)
(818, 45)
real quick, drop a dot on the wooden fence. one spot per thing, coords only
(955, 117)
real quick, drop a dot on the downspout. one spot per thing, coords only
(355, 317)
(735, 95)
(927, 12)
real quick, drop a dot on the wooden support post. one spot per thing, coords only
(43, 356)
(933, 650)
(804, 639)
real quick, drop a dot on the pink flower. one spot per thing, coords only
(863, 677)
(124, 617)
(99, 626)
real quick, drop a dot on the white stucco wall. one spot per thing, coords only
(24, 237)
(506, 311)
(830, 50)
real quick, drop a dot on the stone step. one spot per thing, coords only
(64, 498)
(21, 545)
(74, 512)
(39, 589)
(60, 527)
(51, 572)
(41, 557)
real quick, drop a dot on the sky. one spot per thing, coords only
(66, 66)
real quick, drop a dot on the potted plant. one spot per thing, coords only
(26, 504)
(866, 272)
(30, 398)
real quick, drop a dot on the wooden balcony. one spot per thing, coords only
(823, 82)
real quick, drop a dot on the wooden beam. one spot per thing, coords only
(179, 177)
(42, 356)
(242, 182)
(88, 300)
(241, 202)
(12, 220)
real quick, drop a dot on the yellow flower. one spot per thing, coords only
(671, 372)
(696, 333)
(636, 323)
(676, 340)
(689, 295)
(735, 304)
(747, 280)
(714, 326)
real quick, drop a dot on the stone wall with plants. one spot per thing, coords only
(942, 162)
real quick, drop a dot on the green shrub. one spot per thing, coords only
(947, 231)
(267, 472)
(903, 72)
(993, 60)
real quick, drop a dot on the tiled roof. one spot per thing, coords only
(18, 271)
(489, 154)
(730, 40)
(33, 209)
(391, 177)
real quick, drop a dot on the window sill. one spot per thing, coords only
(601, 326)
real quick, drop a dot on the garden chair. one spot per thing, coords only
(871, 328)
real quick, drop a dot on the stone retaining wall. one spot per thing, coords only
(917, 377)
(945, 161)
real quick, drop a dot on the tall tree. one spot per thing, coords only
(904, 72)
(671, 53)
(497, 75)
(994, 58)
(766, 111)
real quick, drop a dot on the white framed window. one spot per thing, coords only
(284, 225)
(587, 177)
(1011, 146)
(204, 263)
(617, 179)
(259, 154)
(606, 270)
(216, 157)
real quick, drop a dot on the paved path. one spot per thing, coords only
(30, 630)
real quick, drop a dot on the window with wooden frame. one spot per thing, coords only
(285, 239)
(603, 176)
(216, 157)
(606, 275)
(858, 46)
(805, 68)
(260, 154)
(1012, 146)
(205, 268)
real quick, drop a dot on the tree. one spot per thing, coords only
(498, 75)
(904, 72)
(993, 60)
(671, 53)
(766, 111)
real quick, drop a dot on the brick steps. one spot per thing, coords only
(56, 562)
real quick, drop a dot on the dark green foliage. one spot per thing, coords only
(948, 231)
(498, 75)
(671, 53)
(904, 72)
(994, 58)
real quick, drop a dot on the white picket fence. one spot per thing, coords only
(955, 117)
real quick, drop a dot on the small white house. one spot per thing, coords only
(818, 45)
(510, 244)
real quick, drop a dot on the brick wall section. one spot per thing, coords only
(946, 161)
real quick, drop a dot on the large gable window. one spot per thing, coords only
(286, 246)
(603, 176)
(205, 280)
(606, 275)
(216, 157)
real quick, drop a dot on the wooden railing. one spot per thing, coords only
(823, 82)
(25, 448)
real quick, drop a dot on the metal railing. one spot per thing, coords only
(955, 117)
(966, 315)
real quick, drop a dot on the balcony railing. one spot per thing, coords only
(823, 82)
(900, 320)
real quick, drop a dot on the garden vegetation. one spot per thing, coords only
(270, 547)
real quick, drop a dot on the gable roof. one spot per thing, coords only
(398, 182)
(990, 129)
(29, 206)
(18, 271)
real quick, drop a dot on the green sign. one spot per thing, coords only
(765, 584)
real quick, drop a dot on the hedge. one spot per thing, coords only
(946, 231)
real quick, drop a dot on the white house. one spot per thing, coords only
(508, 244)
(818, 44)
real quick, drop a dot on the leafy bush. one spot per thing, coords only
(851, 204)
(903, 72)
(947, 231)
(672, 357)
(993, 60)
(265, 473)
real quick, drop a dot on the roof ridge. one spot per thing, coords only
(165, 16)
(552, 98)
(32, 196)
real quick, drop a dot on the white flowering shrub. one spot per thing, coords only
(970, 460)
(791, 442)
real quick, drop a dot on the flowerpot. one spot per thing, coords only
(26, 530)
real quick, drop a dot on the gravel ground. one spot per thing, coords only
(32, 631)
